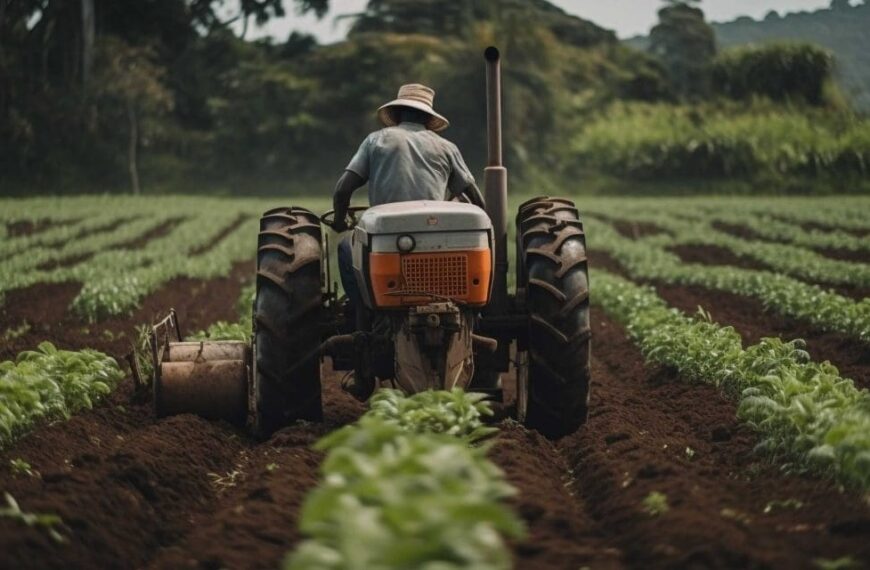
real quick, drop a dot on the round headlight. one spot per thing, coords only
(405, 243)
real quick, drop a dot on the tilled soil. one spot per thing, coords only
(44, 309)
(753, 322)
(649, 431)
(181, 492)
(841, 254)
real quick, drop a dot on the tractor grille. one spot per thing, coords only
(436, 273)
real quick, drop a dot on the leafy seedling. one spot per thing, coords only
(656, 504)
(45, 521)
(21, 467)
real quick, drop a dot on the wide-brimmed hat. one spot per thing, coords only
(415, 96)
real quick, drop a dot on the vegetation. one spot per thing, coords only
(841, 29)
(48, 383)
(399, 491)
(782, 294)
(51, 523)
(786, 72)
(647, 141)
(806, 414)
(788, 258)
(685, 44)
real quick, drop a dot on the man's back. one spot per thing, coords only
(410, 162)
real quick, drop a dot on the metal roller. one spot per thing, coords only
(213, 389)
(207, 350)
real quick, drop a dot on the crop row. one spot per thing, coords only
(806, 414)
(120, 287)
(792, 260)
(784, 295)
(48, 383)
(406, 487)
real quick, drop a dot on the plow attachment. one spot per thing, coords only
(206, 378)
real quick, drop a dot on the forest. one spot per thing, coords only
(166, 97)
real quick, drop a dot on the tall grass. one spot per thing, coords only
(656, 141)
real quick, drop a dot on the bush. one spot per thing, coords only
(781, 72)
(656, 141)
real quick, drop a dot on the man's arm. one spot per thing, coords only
(344, 189)
(461, 182)
(474, 195)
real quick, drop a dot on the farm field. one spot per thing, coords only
(710, 443)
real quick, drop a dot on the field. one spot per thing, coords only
(714, 441)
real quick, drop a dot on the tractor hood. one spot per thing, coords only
(423, 216)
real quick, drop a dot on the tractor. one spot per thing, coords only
(437, 312)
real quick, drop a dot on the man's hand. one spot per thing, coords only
(339, 223)
(348, 182)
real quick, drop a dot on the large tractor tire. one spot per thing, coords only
(553, 273)
(287, 307)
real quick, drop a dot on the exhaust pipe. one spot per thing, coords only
(495, 181)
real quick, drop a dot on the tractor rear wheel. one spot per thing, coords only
(288, 302)
(554, 275)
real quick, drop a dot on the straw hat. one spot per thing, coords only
(418, 97)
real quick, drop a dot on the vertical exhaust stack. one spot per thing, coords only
(495, 180)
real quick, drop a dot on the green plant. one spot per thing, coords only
(842, 563)
(395, 495)
(51, 383)
(805, 414)
(48, 522)
(793, 504)
(656, 504)
(21, 467)
(455, 413)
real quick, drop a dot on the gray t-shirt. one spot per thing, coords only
(410, 162)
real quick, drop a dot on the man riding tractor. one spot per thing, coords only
(428, 304)
(406, 160)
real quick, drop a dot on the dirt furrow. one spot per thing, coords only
(753, 322)
(561, 534)
(727, 507)
(44, 309)
(255, 522)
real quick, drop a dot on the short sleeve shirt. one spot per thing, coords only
(410, 162)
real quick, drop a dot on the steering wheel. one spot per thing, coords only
(329, 217)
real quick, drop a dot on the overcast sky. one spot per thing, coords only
(627, 17)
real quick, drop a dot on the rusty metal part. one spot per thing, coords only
(484, 343)
(215, 390)
(206, 378)
(208, 350)
(433, 349)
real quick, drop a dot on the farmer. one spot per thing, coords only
(404, 161)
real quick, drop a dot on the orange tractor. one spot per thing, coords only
(438, 313)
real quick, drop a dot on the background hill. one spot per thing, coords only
(164, 96)
(843, 29)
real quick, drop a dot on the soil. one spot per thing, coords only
(44, 307)
(833, 253)
(753, 322)
(29, 227)
(636, 230)
(182, 492)
(224, 233)
(642, 423)
(715, 255)
(159, 231)
(749, 318)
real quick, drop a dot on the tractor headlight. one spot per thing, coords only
(405, 243)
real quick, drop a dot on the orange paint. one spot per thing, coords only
(460, 275)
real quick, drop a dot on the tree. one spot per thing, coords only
(840, 4)
(128, 79)
(686, 44)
